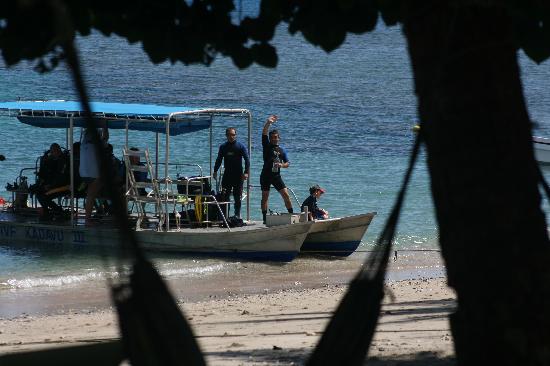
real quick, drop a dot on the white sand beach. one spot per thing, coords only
(280, 328)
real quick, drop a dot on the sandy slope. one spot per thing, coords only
(279, 328)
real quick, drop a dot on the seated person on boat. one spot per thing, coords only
(314, 212)
(104, 205)
(53, 180)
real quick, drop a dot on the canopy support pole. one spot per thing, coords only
(126, 183)
(167, 159)
(71, 163)
(211, 118)
(249, 172)
(157, 155)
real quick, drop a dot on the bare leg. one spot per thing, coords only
(91, 195)
(286, 198)
(265, 200)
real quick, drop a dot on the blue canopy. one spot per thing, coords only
(140, 117)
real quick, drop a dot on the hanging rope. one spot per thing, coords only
(347, 337)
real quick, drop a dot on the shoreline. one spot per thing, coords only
(279, 327)
(240, 278)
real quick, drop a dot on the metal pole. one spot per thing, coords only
(211, 118)
(126, 183)
(166, 171)
(71, 163)
(157, 156)
(249, 172)
(126, 142)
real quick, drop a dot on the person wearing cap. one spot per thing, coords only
(314, 212)
(275, 158)
(232, 152)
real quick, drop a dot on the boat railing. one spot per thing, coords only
(192, 194)
(214, 201)
(178, 165)
(289, 189)
(294, 195)
(184, 197)
(194, 182)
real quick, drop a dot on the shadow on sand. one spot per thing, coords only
(299, 356)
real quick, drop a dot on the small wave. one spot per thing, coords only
(53, 281)
(56, 281)
(196, 271)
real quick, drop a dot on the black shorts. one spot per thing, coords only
(268, 179)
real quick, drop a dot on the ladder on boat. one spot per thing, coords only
(166, 199)
(139, 161)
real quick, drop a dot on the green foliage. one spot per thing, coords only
(325, 23)
(197, 31)
(532, 24)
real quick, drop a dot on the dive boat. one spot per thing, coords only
(171, 226)
(338, 236)
(252, 242)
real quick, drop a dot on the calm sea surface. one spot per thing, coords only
(345, 120)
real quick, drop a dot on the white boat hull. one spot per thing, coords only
(256, 242)
(542, 149)
(337, 236)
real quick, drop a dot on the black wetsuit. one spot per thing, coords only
(271, 154)
(313, 209)
(233, 154)
(54, 173)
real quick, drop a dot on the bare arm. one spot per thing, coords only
(270, 120)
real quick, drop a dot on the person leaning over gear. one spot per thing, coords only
(232, 152)
(314, 212)
(275, 158)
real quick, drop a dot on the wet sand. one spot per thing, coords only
(244, 278)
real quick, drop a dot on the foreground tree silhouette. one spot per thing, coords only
(474, 122)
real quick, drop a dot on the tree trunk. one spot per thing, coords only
(484, 181)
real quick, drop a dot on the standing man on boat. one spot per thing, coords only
(89, 167)
(232, 152)
(275, 158)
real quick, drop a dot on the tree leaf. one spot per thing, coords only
(264, 54)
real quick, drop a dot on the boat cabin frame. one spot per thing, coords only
(170, 120)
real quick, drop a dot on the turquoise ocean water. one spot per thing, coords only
(345, 120)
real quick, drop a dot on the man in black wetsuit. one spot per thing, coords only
(233, 152)
(53, 180)
(275, 158)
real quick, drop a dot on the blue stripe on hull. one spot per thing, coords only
(339, 249)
